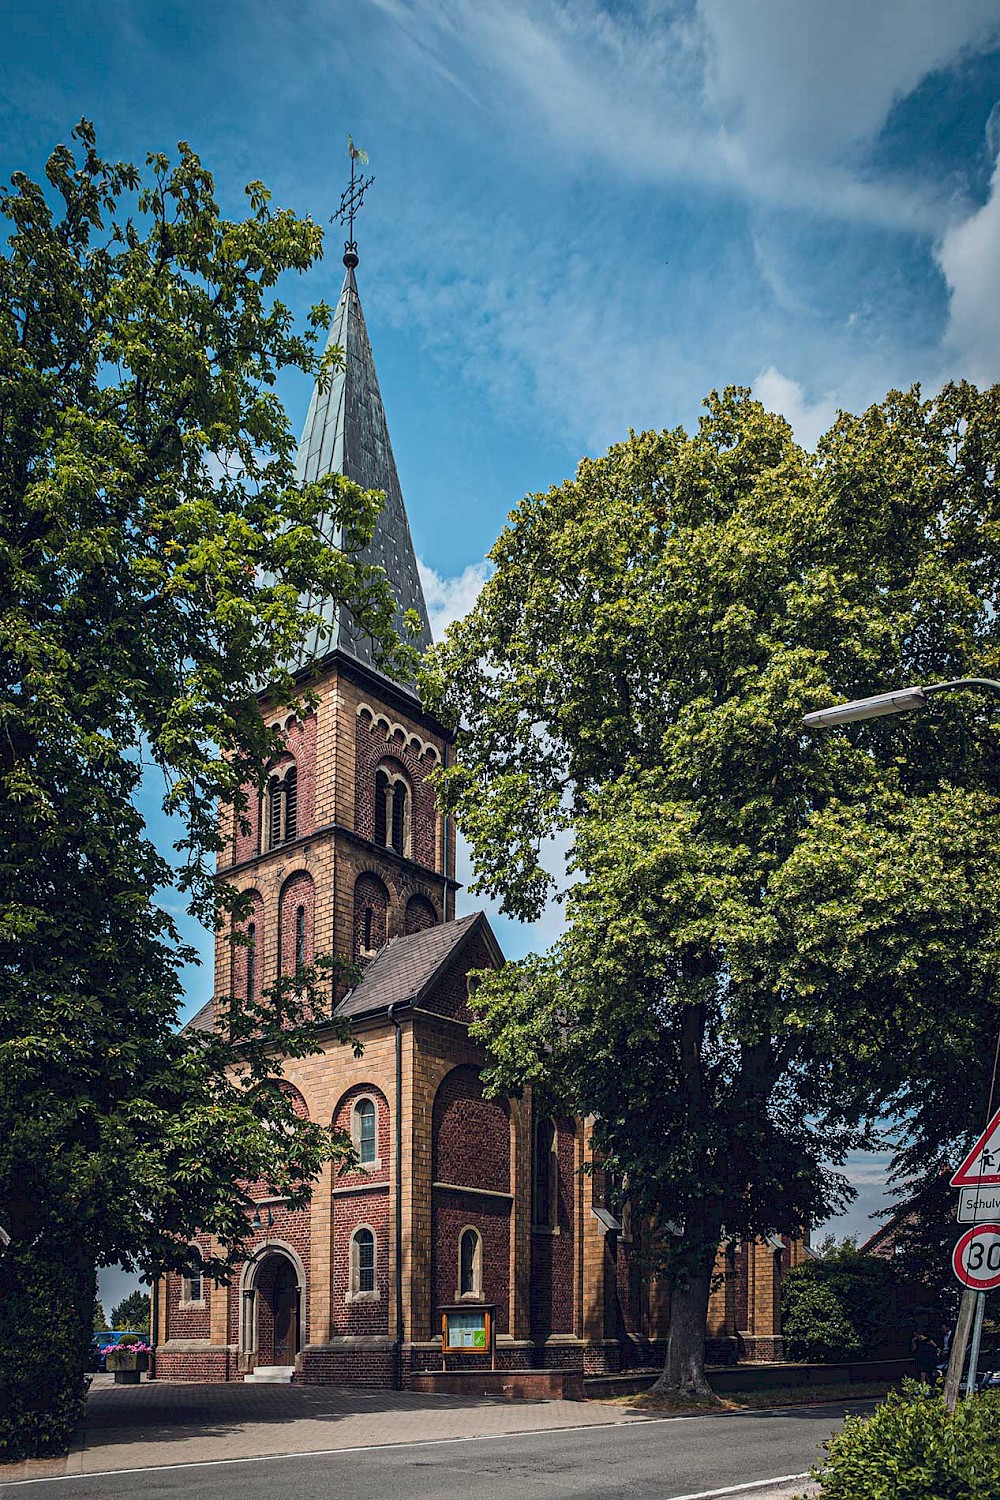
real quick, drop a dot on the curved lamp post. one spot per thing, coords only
(900, 702)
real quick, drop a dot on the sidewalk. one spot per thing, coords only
(182, 1422)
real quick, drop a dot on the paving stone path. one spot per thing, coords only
(181, 1422)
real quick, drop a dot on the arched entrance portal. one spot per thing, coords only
(273, 1309)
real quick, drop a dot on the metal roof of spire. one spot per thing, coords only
(346, 433)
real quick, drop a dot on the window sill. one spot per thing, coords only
(362, 1297)
(368, 1166)
(192, 1306)
(550, 1229)
(473, 1297)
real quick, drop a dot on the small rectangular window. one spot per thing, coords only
(193, 1288)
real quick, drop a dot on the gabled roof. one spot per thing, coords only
(346, 433)
(405, 969)
(204, 1019)
(402, 972)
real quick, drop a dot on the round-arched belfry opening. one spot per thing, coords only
(272, 1307)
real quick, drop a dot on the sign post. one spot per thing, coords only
(976, 1263)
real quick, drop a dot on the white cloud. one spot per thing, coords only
(449, 599)
(969, 256)
(811, 78)
(807, 419)
(736, 96)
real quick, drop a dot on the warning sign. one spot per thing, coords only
(981, 1168)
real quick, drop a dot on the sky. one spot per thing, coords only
(585, 217)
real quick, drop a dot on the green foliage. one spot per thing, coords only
(46, 1345)
(132, 1312)
(838, 1307)
(912, 1448)
(157, 551)
(771, 936)
(101, 1324)
(814, 1323)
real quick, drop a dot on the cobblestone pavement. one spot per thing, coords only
(183, 1422)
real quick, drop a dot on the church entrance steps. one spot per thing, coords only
(270, 1375)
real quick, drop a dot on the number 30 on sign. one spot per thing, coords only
(976, 1258)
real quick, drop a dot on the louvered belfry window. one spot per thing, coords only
(381, 796)
(291, 803)
(275, 800)
(399, 794)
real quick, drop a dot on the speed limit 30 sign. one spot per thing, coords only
(976, 1258)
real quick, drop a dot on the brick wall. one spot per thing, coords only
(453, 1212)
(239, 955)
(371, 895)
(297, 891)
(553, 1256)
(471, 1135)
(420, 913)
(450, 996)
(406, 753)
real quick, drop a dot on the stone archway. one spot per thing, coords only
(272, 1309)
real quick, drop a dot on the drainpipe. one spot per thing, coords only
(154, 1322)
(444, 846)
(399, 1195)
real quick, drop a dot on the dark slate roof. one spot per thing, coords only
(346, 432)
(405, 968)
(402, 971)
(204, 1020)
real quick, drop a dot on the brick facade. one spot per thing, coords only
(569, 1294)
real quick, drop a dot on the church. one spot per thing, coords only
(472, 1232)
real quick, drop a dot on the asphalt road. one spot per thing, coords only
(658, 1460)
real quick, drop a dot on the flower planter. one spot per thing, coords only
(127, 1362)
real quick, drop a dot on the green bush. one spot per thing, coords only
(912, 1448)
(837, 1308)
(815, 1326)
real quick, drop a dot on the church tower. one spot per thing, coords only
(346, 844)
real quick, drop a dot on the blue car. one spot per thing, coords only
(115, 1336)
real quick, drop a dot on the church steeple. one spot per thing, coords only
(346, 432)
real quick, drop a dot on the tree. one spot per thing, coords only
(839, 1306)
(770, 936)
(158, 557)
(100, 1318)
(132, 1312)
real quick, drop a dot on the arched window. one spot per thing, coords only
(381, 798)
(291, 802)
(400, 819)
(392, 810)
(251, 961)
(362, 1263)
(300, 938)
(543, 1196)
(470, 1264)
(282, 807)
(364, 1132)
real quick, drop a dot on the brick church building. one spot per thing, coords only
(458, 1202)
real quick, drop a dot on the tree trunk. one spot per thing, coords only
(684, 1368)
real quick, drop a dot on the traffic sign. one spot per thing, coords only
(981, 1168)
(978, 1205)
(976, 1258)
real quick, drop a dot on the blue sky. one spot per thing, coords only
(585, 216)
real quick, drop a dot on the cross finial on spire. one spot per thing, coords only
(351, 200)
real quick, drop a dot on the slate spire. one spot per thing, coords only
(346, 432)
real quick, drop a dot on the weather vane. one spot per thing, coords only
(351, 200)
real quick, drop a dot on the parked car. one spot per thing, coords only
(115, 1336)
(987, 1367)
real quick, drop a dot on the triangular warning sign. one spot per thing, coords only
(981, 1168)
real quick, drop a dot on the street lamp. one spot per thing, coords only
(900, 702)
